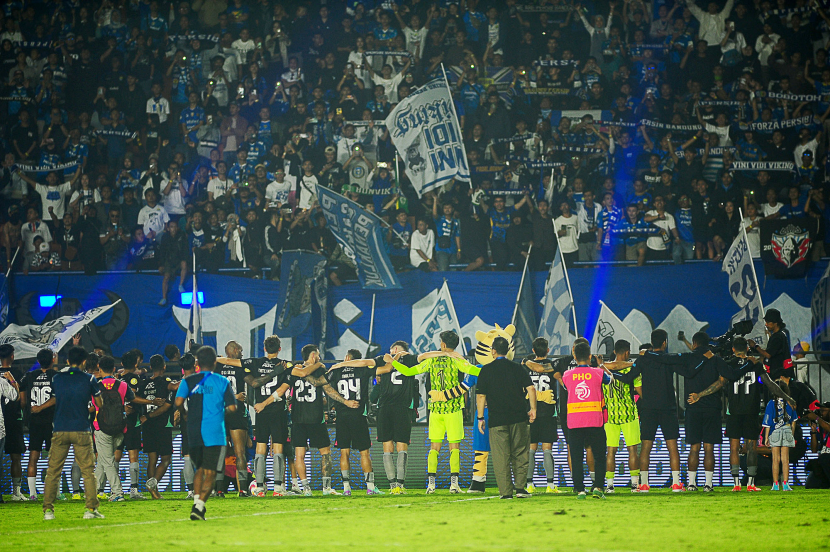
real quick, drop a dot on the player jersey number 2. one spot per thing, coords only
(306, 392)
(349, 388)
(395, 377)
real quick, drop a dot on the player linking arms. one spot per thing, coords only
(445, 418)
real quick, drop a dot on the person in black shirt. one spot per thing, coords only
(395, 409)
(742, 414)
(502, 385)
(13, 420)
(132, 438)
(155, 423)
(544, 429)
(778, 347)
(236, 422)
(308, 417)
(352, 428)
(35, 392)
(265, 375)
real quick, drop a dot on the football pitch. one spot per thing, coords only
(659, 521)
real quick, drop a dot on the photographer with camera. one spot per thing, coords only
(778, 347)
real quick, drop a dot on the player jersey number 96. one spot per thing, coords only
(39, 395)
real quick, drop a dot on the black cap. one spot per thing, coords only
(774, 316)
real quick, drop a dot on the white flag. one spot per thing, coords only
(609, 330)
(194, 326)
(426, 133)
(432, 315)
(556, 314)
(29, 340)
(743, 285)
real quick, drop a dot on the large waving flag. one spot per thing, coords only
(425, 130)
(558, 307)
(29, 340)
(361, 236)
(433, 314)
(609, 330)
(743, 285)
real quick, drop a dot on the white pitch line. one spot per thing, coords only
(253, 514)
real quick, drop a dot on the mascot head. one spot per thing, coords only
(485, 342)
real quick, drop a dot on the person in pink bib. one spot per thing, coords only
(586, 416)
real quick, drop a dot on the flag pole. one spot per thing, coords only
(751, 260)
(11, 264)
(567, 279)
(371, 326)
(521, 285)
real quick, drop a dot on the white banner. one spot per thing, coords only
(743, 286)
(609, 330)
(426, 133)
(29, 340)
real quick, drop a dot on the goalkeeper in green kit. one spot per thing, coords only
(445, 418)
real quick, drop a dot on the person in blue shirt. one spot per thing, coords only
(779, 428)
(208, 396)
(447, 236)
(795, 206)
(72, 390)
(633, 231)
(191, 118)
(500, 216)
(399, 236)
(609, 218)
(385, 33)
(471, 91)
(683, 248)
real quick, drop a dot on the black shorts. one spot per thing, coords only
(158, 440)
(352, 432)
(132, 438)
(310, 435)
(742, 426)
(703, 426)
(40, 437)
(394, 424)
(665, 419)
(209, 458)
(236, 420)
(271, 424)
(14, 437)
(543, 430)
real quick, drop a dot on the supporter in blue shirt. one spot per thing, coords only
(192, 117)
(683, 248)
(399, 236)
(447, 236)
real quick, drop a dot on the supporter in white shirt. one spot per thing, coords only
(243, 45)
(175, 191)
(657, 246)
(752, 223)
(31, 228)
(567, 228)
(158, 104)
(220, 184)
(388, 81)
(282, 186)
(772, 206)
(422, 248)
(52, 195)
(152, 217)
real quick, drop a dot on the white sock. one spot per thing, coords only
(305, 484)
(692, 477)
(644, 477)
(635, 480)
(751, 481)
(593, 475)
(200, 504)
(32, 485)
(675, 477)
(370, 480)
(432, 480)
(737, 481)
(709, 476)
(609, 481)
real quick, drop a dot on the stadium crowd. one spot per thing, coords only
(135, 133)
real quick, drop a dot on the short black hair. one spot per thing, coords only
(659, 337)
(45, 358)
(450, 339)
(171, 350)
(621, 347)
(500, 345)
(700, 339)
(76, 356)
(354, 354)
(582, 351)
(156, 363)
(272, 344)
(106, 364)
(187, 362)
(206, 357)
(6, 351)
(129, 360)
(739, 344)
(646, 347)
(540, 347)
(402, 344)
(308, 349)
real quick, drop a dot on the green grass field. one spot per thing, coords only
(658, 521)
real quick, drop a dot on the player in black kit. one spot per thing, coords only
(35, 391)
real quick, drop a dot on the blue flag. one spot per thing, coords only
(360, 234)
(303, 284)
(556, 314)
